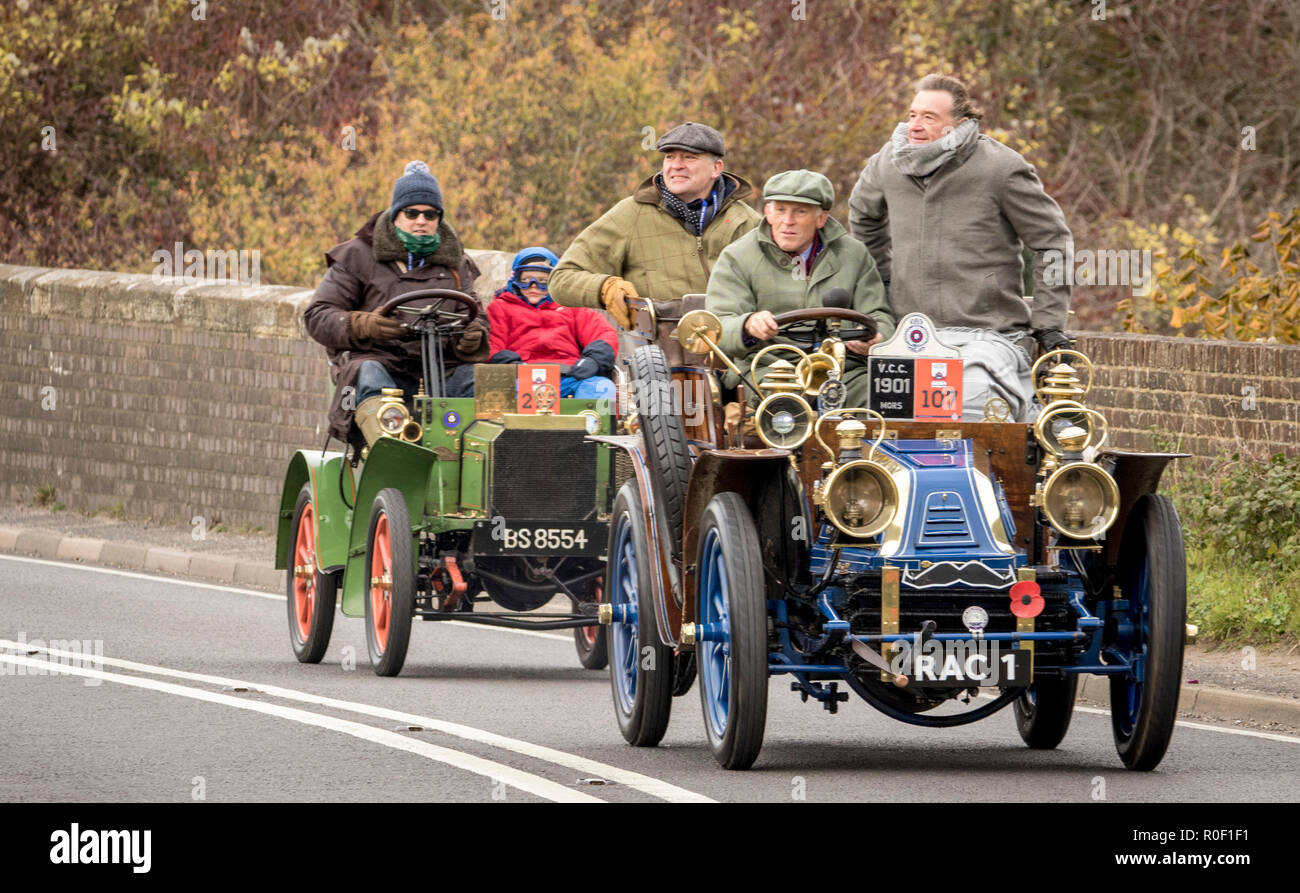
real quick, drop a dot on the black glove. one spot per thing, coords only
(505, 356)
(599, 356)
(584, 368)
(1052, 339)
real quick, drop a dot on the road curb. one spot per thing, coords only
(146, 559)
(1220, 703)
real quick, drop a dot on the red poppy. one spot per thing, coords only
(1026, 599)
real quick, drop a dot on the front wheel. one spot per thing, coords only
(640, 666)
(1153, 579)
(732, 637)
(1044, 709)
(311, 594)
(390, 582)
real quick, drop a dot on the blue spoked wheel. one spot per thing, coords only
(1152, 575)
(732, 638)
(640, 667)
(1044, 709)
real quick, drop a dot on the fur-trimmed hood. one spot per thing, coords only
(380, 234)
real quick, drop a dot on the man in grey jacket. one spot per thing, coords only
(945, 212)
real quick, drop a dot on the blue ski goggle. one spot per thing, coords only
(532, 283)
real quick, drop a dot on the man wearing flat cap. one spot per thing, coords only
(661, 241)
(797, 255)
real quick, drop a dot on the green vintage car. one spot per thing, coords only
(452, 504)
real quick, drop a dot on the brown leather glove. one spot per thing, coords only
(367, 325)
(614, 293)
(471, 339)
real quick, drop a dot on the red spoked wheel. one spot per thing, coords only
(589, 641)
(310, 594)
(390, 582)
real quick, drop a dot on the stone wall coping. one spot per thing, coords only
(211, 305)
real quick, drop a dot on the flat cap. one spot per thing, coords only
(808, 187)
(693, 138)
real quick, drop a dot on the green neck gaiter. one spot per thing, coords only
(420, 246)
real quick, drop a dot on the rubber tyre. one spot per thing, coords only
(732, 596)
(1044, 710)
(667, 452)
(1153, 577)
(311, 599)
(388, 613)
(592, 642)
(640, 667)
(684, 672)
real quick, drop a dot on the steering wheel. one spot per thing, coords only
(459, 314)
(809, 325)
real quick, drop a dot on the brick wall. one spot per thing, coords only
(169, 398)
(178, 399)
(1214, 395)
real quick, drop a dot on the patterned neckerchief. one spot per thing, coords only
(696, 214)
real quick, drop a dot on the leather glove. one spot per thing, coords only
(505, 356)
(584, 368)
(1052, 339)
(367, 325)
(471, 339)
(614, 293)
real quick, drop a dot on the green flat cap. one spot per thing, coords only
(808, 187)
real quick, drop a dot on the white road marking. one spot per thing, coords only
(1186, 723)
(524, 781)
(117, 573)
(502, 629)
(271, 595)
(635, 780)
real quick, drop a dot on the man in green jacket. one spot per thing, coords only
(797, 255)
(660, 242)
(946, 212)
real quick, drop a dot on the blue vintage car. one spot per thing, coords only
(939, 569)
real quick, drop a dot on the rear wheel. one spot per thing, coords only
(732, 636)
(390, 582)
(1153, 579)
(591, 641)
(311, 594)
(659, 413)
(684, 671)
(640, 667)
(1044, 709)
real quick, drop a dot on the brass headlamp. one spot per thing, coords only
(1080, 500)
(395, 419)
(860, 498)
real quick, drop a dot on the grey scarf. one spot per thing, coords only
(923, 159)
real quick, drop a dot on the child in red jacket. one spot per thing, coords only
(527, 326)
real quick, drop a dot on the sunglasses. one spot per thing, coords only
(534, 283)
(412, 214)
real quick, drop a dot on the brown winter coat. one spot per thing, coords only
(365, 272)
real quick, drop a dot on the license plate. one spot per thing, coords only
(916, 388)
(583, 539)
(965, 664)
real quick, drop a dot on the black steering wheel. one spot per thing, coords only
(810, 324)
(462, 311)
